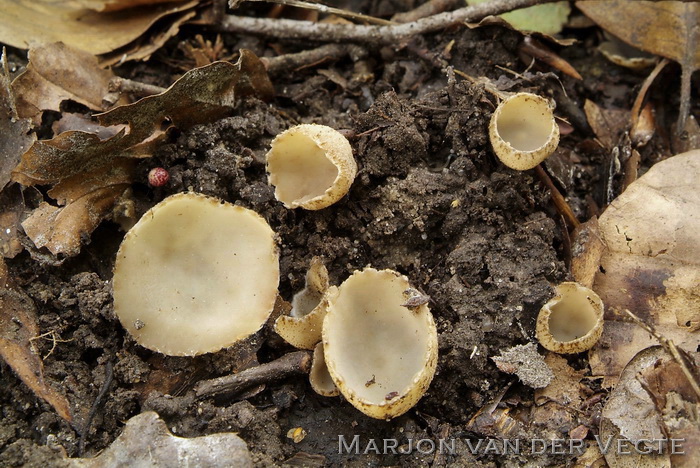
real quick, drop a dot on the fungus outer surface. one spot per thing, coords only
(319, 377)
(195, 275)
(523, 132)
(302, 327)
(311, 166)
(380, 354)
(571, 322)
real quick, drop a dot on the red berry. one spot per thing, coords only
(158, 177)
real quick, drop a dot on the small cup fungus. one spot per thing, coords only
(319, 377)
(195, 275)
(523, 132)
(381, 354)
(302, 327)
(311, 166)
(571, 322)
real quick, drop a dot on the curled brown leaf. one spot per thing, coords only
(18, 326)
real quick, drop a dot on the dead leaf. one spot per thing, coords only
(115, 5)
(70, 121)
(653, 400)
(58, 73)
(546, 19)
(146, 441)
(88, 198)
(16, 137)
(28, 23)
(210, 89)
(18, 325)
(668, 29)
(12, 201)
(651, 264)
(525, 362)
(143, 47)
(557, 404)
(625, 55)
(71, 153)
(607, 124)
(90, 174)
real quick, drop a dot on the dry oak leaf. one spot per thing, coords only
(91, 175)
(670, 29)
(201, 95)
(15, 136)
(88, 199)
(650, 264)
(18, 325)
(28, 23)
(56, 73)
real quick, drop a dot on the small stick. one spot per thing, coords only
(298, 362)
(671, 348)
(287, 62)
(100, 396)
(377, 35)
(328, 9)
(429, 8)
(123, 85)
(536, 49)
(559, 201)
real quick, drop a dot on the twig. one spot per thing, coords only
(100, 396)
(298, 362)
(671, 348)
(641, 96)
(290, 62)
(431, 7)
(328, 9)
(559, 201)
(123, 85)
(306, 30)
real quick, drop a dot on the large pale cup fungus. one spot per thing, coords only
(195, 275)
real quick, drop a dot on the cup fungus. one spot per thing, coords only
(571, 322)
(381, 354)
(302, 327)
(311, 166)
(523, 132)
(195, 275)
(319, 377)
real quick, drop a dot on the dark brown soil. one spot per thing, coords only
(430, 201)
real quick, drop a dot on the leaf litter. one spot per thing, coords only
(89, 175)
(29, 23)
(18, 327)
(668, 29)
(57, 73)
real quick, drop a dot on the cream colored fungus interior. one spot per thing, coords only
(299, 168)
(525, 123)
(572, 316)
(195, 275)
(374, 343)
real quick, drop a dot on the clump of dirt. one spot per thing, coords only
(430, 201)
